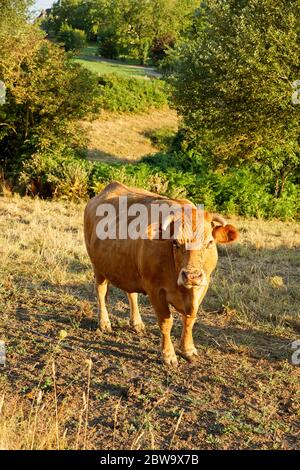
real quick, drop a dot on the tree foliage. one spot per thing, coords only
(132, 27)
(233, 83)
(45, 91)
(73, 39)
(76, 13)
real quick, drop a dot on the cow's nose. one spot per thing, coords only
(185, 275)
(193, 277)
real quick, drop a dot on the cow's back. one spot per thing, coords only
(111, 194)
(117, 260)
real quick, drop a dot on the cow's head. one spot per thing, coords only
(193, 244)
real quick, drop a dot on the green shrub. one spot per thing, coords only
(246, 191)
(46, 97)
(287, 206)
(59, 172)
(128, 94)
(137, 175)
(55, 173)
(73, 39)
(242, 192)
(162, 138)
(107, 46)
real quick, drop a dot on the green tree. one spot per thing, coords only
(131, 27)
(233, 84)
(143, 24)
(46, 92)
(107, 44)
(76, 13)
(73, 39)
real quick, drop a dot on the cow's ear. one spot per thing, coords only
(225, 234)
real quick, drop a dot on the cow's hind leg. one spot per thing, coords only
(135, 317)
(103, 318)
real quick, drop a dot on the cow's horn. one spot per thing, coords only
(218, 218)
(167, 221)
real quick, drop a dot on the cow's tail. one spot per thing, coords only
(107, 293)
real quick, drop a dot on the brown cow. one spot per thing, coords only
(164, 269)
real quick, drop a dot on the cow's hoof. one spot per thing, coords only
(170, 359)
(138, 327)
(190, 354)
(105, 327)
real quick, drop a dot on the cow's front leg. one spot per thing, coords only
(165, 321)
(135, 317)
(187, 347)
(103, 318)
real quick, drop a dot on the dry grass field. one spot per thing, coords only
(124, 137)
(67, 386)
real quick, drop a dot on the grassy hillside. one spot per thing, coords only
(115, 137)
(241, 393)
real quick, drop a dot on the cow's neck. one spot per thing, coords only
(186, 301)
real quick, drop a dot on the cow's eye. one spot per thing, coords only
(210, 244)
(176, 243)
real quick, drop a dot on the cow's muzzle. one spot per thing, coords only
(189, 278)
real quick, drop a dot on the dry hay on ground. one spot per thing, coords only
(242, 392)
(117, 137)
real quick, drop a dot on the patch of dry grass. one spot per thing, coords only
(124, 136)
(259, 277)
(241, 393)
(31, 427)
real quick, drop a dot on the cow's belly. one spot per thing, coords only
(116, 262)
(127, 285)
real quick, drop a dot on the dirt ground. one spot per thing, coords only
(65, 385)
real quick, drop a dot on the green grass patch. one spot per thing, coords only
(101, 68)
(89, 57)
(129, 94)
(91, 49)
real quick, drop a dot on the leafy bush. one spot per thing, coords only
(107, 46)
(132, 95)
(73, 39)
(138, 175)
(228, 86)
(160, 46)
(246, 191)
(162, 138)
(47, 94)
(55, 173)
